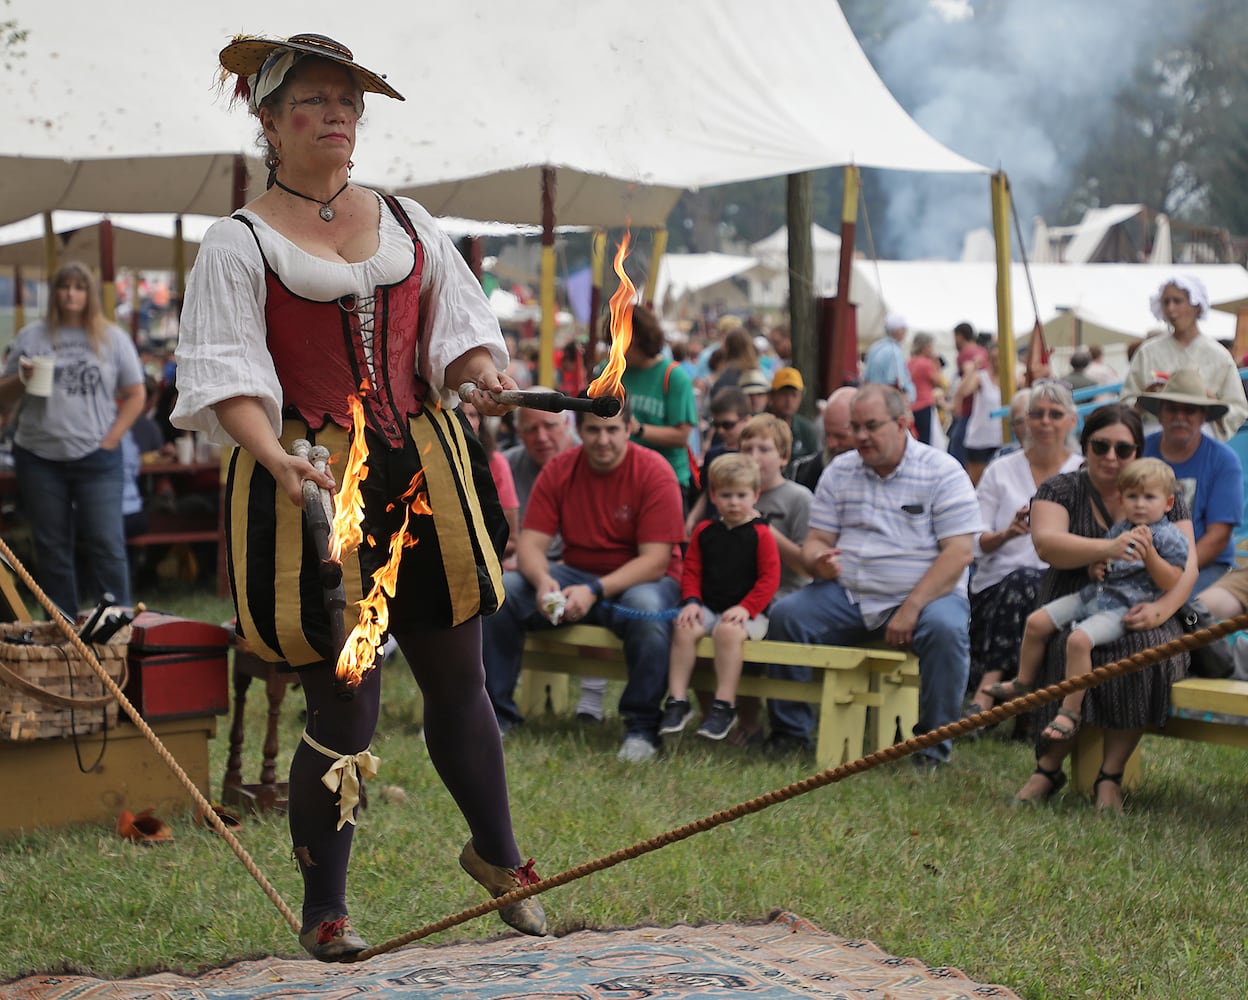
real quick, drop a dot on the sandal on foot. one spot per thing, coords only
(333, 940)
(1113, 779)
(526, 916)
(1062, 732)
(1008, 690)
(1056, 779)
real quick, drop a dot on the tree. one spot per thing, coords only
(12, 38)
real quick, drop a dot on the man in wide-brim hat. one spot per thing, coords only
(1209, 472)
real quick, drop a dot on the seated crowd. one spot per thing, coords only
(1001, 568)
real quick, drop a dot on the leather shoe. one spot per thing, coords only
(145, 828)
(333, 940)
(526, 916)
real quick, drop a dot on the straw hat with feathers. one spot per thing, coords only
(246, 54)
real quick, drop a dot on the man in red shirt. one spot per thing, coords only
(619, 509)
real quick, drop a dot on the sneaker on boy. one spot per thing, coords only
(676, 715)
(719, 721)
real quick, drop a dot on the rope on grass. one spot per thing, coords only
(210, 815)
(1000, 713)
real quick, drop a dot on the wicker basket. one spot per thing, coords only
(47, 690)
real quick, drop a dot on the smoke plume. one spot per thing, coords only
(1014, 84)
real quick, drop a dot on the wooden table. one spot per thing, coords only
(169, 527)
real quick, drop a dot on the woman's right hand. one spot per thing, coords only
(290, 471)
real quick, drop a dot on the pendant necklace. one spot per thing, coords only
(326, 212)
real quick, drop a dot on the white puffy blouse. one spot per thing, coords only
(222, 353)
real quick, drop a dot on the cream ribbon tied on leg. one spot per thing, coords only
(344, 776)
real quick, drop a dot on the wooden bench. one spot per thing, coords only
(846, 682)
(1201, 709)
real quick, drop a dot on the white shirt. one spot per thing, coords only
(221, 343)
(1006, 485)
(1217, 371)
(889, 530)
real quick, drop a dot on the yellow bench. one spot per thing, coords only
(1201, 709)
(846, 682)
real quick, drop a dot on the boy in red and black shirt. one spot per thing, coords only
(731, 573)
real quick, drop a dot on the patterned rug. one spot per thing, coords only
(785, 958)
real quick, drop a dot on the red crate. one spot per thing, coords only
(178, 667)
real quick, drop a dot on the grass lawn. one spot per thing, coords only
(1052, 902)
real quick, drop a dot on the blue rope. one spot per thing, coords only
(666, 615)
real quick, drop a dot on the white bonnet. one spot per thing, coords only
(1197, 294)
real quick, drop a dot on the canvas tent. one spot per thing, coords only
(142, 242)
(690, 282)
(1078, 303)
(627, 109)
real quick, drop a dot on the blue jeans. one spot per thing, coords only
(821, 613)
(957, 439)
(75, 504)
(647, 645)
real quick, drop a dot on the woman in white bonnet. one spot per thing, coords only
(1179, 303)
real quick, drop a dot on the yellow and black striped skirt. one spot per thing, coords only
(451, 574)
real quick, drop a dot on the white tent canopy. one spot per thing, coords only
(1092, 230)
(629, 109)
(141, 242)
(1096, 303)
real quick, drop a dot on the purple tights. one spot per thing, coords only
(462, 737)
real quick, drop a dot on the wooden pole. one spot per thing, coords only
(840, 361)
(656, 261)
(799, 211)
(179, 267)
(597, 263)
(1005, 311)
(19, 299)
(108, 271)
(240, 182)
(49, 248)
(1239, 347)
(546, 342)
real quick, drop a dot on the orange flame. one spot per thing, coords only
(608, 383)
(345, 535)
(359, 655)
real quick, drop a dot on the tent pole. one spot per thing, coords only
(179, 266)
(49, 248)
(240, 181)
(1239, 346)
(19, 299)
(656, 259)
(841, 355)
(108, 272)
(799, 212)
(597, 262)
(1005, 311)
(546, 343)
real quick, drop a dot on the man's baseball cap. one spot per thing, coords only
(788, 378)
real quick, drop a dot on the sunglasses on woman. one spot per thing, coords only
(1121, 448)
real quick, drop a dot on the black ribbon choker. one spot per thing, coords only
(326, 212)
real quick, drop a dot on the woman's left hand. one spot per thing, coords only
(477, 367)
(1141, 617)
